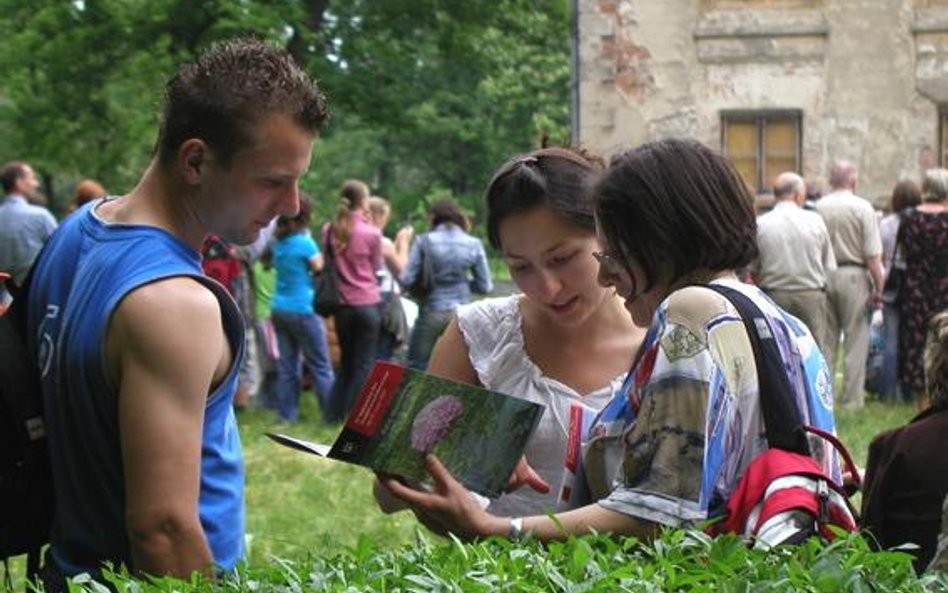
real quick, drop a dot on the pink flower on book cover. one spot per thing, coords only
(434, 421)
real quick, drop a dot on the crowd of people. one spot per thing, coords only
(148, 349)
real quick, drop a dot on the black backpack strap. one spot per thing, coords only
(327, 244)
(782, 422)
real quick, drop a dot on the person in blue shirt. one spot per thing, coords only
(24, 227)
(299, 329)
(139, 351)
(454, 266)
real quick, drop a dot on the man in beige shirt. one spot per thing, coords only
(795, 255)
(855, 287)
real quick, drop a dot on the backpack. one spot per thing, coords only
(220, 263)
(26, 485)
(783, 496)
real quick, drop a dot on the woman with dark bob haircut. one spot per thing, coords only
(668, 450)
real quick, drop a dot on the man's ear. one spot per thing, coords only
(191, 159)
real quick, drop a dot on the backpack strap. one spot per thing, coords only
(327, 243)
(782, 422)
(16, 318)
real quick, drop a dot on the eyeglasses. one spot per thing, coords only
(609, 263)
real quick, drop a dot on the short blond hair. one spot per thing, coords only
(379, 206)
(935, 185)
(936, 359)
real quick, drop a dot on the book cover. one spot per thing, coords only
(402, 414)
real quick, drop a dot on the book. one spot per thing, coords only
(402, 414)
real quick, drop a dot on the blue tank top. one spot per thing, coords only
(84, 272)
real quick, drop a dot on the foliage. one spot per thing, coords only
(428, 96)
(678, 561)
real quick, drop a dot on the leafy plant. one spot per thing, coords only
(681, 561)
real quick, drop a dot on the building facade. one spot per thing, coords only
(774, 84)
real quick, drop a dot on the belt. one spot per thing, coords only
(850, 264)
(818, 289)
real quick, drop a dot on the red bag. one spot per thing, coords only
(220, 262)
(785, 498)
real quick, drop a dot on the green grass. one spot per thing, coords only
(302, 509)
(298, 504)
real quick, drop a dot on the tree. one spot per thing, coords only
(428, 96)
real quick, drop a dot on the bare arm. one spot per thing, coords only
(449, 508)
(164, 376)
(395, 253)
(316, 263)
(450, 357)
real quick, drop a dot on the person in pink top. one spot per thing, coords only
(357, 249)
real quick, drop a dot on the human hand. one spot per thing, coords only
(404, 235)
(875, 299)
(449, 507)
(525, 475)
(386, 501)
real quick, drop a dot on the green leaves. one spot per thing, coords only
(680, 561)
(428, 96)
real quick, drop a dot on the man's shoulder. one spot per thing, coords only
(809, 217)
(21, 208)
(172, 300)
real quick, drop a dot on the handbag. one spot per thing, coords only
(783, 496)
(328, 299)
(394, 320)
(421, 287)
(892, 289)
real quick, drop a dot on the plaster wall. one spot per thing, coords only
(868, 76)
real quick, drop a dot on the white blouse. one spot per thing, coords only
(493, 331)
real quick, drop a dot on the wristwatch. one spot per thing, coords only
(515, 532)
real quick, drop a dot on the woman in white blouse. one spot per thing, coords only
(566, 341)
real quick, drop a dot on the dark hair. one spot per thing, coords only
(674, 206)
(229, 89)
(447, 210)
(10, 173)
(905, 194)
(287, 225)
(556, 178)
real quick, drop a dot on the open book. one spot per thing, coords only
(403, 414)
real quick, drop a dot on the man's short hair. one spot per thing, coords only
(230, 88)
(675, 206)
(844, 174)
(9, 174)
(788, 188)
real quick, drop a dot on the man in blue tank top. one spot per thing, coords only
(138, 350)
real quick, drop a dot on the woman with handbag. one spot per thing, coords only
(923, 246)
(672, 445)
(906, 194)
(299, 331)
(394, 332)
(446, 266)
(356, 246)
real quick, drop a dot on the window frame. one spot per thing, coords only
(760, 117)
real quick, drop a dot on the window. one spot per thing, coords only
(761, 145)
